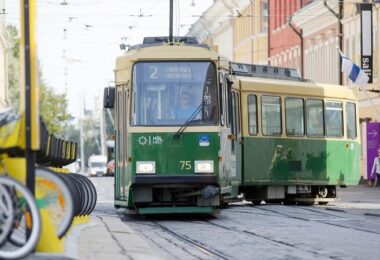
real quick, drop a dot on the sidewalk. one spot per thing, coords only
(107, 237)
(104, 237)
(361, 197)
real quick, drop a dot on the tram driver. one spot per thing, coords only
(185, 107)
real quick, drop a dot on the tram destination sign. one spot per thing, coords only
(172, 71)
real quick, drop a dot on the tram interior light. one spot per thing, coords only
(146, 167)
(204, 166)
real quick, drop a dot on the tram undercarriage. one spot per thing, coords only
(292, 194)
(168, 199)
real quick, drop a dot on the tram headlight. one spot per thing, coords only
(204, 166)
(146, 167)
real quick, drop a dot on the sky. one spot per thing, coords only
(78, 40)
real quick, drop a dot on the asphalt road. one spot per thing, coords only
(348, 228)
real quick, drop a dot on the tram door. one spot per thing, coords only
(229, 104)
(236, 139)
(121, 144)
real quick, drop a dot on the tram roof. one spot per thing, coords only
(166, 52)
(296, 88)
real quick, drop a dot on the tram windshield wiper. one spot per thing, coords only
(188, 121)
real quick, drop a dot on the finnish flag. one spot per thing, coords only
(357, 75)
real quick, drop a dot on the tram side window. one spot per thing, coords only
(271, 115)
(228, 103)
(233, 121)
(314, 117)
(252, 114)
(334, 119)
(221, 99)
(237, 113)
(351, 120)
(295, 123)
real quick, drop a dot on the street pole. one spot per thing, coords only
(30, 103)
(81, 117)
(102, 133)
(171, 22)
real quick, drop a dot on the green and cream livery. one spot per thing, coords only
(192, 134)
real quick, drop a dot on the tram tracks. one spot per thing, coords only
(191, 247)
(268, 238)
(179, 238)
(200, 246)
(207, 250)
(335, 217)
(322, 221)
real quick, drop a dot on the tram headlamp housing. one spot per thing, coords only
(204, 166)
(146, 167)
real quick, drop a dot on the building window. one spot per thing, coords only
(264, 16)
(353, 55)
(277, 13)
(375, 57)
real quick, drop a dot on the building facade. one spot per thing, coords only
(215, 27)
(320, 26)
(369, 101)
(251, 34)
(369, 105)
(284, 40)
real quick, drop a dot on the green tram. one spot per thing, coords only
(193, 133)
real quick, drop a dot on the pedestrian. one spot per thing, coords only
(376, 168)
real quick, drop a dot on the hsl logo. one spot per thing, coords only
(204, 140)
(150, 140)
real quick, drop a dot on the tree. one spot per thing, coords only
(53, 109)
(53, 106)
(14, 69)
(91, 132)
(91, 135)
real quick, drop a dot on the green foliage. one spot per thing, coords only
(53, 106)
(14, 69)
(91, 130)
(91, 135)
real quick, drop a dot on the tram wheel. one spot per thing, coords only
(289, 202)
(223, 204)
(305, 203)
(256, 202)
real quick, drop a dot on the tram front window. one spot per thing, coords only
(171, 93)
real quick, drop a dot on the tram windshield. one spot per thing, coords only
(169, 93)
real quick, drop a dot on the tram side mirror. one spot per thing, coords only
(109, 97)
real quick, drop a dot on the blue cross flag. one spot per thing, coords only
(357, 75)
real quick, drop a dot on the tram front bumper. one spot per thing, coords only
(177, 210)
(174, 179)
